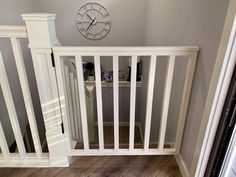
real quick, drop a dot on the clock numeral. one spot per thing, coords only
(80, 14)
(91, 6)
(107, 22)
(84, 7)
(78, 22)
(82, 29)
(87, 33)
(105, 30)
(106, 14)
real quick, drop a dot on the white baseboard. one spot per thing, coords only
(30, 161)
(182, 166)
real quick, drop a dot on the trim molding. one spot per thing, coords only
(182, 166)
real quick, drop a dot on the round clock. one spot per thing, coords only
(93, 21)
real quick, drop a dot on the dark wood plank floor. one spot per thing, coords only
(116, 166)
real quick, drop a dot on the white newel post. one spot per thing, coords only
(42, 37)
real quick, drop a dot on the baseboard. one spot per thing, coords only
(122, 124)
(30, 161)
(182, 166)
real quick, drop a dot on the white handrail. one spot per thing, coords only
(126, 51)
(13, 31)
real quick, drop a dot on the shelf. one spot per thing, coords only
(110, 84)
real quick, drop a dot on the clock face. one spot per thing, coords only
(93, 21)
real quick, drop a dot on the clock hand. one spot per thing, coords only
(91, 23)
(89, 17)
(83, 21)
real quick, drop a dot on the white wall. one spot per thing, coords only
(189, 22)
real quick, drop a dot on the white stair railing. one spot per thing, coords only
(14, 34)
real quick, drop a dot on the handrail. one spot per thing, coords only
(125, 48)
(122, 51)
(7, 31)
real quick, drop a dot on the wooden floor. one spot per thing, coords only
(127, 166)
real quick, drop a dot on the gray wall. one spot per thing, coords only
(128, 18)
(189, 22)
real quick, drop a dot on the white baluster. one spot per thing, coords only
(149, 103)
(69, 96)
(6, 90)
(99, 101)
(3, 144)
(132, 101)
(116, 100)
(75, 117)
(78, 109)
(82, 98)
(26, 94)
(166, 100)
(185, 100)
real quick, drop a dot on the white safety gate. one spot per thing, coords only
(63, 95)
(60, 53)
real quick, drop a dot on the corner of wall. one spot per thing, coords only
(182, 166)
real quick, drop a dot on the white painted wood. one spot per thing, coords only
(182, 166)
(78, 109)
(134, 52)
(132, 101)
(121, 152)
(42, 37)
(185, 100)
(70, 102)
(12, 31)
(166, 100)
(80, 77)
(116, 100)
(99, 101)
(3, 144)
(126, 51)
(73, 96)
(26, 94)
(149, 103)
(6, 90)
(122, 84)
(30, 161)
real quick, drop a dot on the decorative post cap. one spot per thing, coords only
(41, 30)
(38, 17)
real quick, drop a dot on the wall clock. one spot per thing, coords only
(93, 21)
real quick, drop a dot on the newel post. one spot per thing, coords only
(42, 37)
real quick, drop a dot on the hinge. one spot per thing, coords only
(53, 61)
(62, 128)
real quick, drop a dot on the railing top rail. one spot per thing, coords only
(7, 31)
(121, 51)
